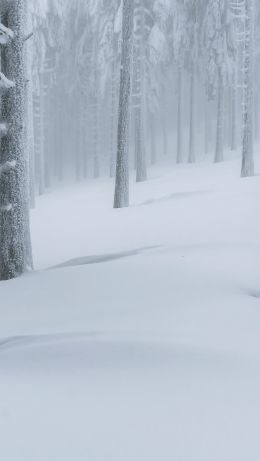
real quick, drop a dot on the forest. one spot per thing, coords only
(129, 230)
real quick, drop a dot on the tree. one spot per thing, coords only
(220, 57)
(139, 89)
(121, 198)
(179, 49)
(248, 100)
(15, 246)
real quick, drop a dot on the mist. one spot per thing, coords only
(129, 230)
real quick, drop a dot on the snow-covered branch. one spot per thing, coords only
(7, 208)
(5, 82)
(5, 34)
(7, 166)
(3, 129)
(27, 37)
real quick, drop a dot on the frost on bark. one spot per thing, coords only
(121, 198)
(248, 99)
(234, 112)
(15, 246)
(179, 119)
(219, 154)
(192, 117)
(114, 82)
(152, 134)
(139, 91)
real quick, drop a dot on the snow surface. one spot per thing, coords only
(138, 336)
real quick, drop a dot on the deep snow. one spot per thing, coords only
(138, 336)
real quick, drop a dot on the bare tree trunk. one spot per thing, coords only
(121, 198)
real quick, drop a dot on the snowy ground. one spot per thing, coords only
(138, 337)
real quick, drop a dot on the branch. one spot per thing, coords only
(5, 83)
(27, 37)
(5, 34)
(7, 166)
(7, 208)
(3, 129)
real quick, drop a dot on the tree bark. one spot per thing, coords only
(234, 112)
(15, 244)
(192, 117)
(179, 119)
(219, 153)
(139, 91)
(121, 198)
(248, 103)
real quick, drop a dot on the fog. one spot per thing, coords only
(129, 230)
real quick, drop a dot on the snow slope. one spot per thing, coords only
(138, 336)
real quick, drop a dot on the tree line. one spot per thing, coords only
(91, 88)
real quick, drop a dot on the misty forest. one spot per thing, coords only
(129, 230)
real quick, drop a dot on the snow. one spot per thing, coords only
(5, 82)
(137, 337)
(5, 34)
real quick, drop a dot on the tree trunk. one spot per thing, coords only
(121, 198)
(179, 119)
(152, 134)
(219, 154)
(192, 117)
(248, 103)
(41, 163)
(139, 91)
(234, 112)
(164, 123)
(113, 109)
(256, 115)
(207, 126)
(15, 246)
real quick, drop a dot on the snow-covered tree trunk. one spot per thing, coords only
(121, 198)
(207, 125)
(41, 162)
(113, 108)
(15, 246)
(192, 117)
(219, 153)
(256, 114)
(30, 137)
(96, 138)
(139, 91)
(234, 112)
(29, 113)
(164, 122)
(248, 102)
(152, 138)
(179, 118)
